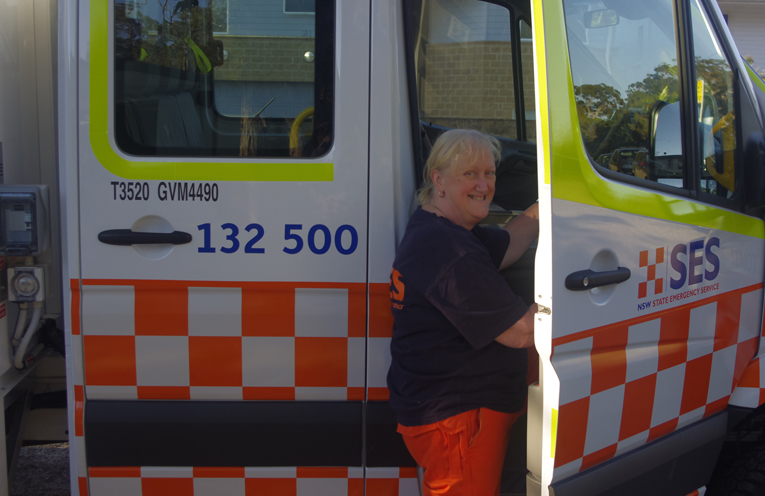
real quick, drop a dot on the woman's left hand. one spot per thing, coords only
(523, 230)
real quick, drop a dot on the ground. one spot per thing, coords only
(42, 471)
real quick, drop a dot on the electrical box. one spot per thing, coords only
(24, 220)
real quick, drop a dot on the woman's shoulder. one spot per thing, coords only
(427, 227)
(428, 235)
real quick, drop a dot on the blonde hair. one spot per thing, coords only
(451, 147)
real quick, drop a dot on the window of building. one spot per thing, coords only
(300, 6)
(219, 16)
(223, 78)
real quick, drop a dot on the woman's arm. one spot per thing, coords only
(520, 334)
(523, 230)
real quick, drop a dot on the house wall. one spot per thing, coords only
(746, 21)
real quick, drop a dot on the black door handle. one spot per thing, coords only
(126, 237)
(584, 280)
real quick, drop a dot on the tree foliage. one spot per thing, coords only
(165, 41)
(610, 120)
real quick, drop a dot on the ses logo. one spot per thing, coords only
(687, 266)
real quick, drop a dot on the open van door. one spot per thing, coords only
(651, 301)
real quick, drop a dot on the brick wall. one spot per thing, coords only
(259, 58)
(471, 85)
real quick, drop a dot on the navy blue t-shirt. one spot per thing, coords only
(449, 304)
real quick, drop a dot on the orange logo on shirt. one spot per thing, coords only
(396, 288)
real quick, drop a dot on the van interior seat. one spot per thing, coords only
(158, 106)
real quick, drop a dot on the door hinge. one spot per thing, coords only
(543, 309)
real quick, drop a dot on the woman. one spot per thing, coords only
(458, 373)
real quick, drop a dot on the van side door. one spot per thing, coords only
(218, 268)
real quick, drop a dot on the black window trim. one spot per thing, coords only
(686, 81)
(520, 105)
(737, 200)
(411, 86)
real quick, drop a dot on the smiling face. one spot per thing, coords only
(468, 189)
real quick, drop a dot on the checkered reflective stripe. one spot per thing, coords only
(246, 481)
(223, 341)
(77, 442)
(626, 384)
(750, 391)
(138, 345)
(655, 272)
(380, 335)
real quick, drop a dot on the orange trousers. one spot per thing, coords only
(462, 455)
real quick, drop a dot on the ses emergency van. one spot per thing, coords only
(206, 196)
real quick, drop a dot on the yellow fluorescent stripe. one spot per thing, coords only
(576, 179)
(756, 79)
(170, 170)
(553, 431)
(540, 63)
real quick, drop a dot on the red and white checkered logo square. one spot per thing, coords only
(654, 272)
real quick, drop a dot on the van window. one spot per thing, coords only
(624, 67)
(228, 78)
(470, 65)
(464, 67)
(717, 121)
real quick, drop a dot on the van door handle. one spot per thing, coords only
(126, 237)
(584, 280)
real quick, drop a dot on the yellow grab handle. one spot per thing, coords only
(203, 63)
(295, 128)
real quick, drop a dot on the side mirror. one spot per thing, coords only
(754, 160)
(666, 133)
(600, 18)
(665, 159)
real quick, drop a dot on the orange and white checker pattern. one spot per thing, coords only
(699, 492)
(750, 391)
(246, 481)
(139, 344)
(223, 341)
(626, 384)
(380, 335)
(77, 442)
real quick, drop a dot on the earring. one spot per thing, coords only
(441, 194)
